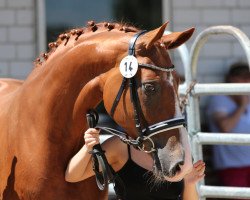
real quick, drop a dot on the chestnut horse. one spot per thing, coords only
(42, 119)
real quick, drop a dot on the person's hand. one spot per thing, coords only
(91, 137)
(196, 174)
(242, 100)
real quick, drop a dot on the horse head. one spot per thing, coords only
(154, 102)
(147, 107)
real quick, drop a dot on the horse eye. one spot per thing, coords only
(149, 87)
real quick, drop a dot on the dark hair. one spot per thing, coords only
(237, 69)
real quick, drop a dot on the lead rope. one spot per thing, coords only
(107, 174)
(98, 156)
(184, 100)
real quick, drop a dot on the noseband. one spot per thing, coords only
(148, 131)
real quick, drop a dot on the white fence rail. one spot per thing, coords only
(199, 138)
(225, 192)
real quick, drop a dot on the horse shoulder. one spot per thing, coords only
(7, 159)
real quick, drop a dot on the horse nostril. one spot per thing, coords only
(176, 168)
(181, 163)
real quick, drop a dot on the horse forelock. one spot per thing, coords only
(74, 34)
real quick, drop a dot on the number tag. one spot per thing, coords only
(129, 66)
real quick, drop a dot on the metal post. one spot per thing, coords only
(40, 26)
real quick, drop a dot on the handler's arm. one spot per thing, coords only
(80, 166)
(190, 180)
(190, 192)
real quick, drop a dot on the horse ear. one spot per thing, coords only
(173, 40)
(151, 37)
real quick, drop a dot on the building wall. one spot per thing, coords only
(221, 50)
(17, 37)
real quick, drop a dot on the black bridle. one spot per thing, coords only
(145, 132)
(140, 121)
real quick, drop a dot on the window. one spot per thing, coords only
(64, 14)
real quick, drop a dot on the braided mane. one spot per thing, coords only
(77, 32)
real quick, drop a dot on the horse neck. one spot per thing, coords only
(59, 81)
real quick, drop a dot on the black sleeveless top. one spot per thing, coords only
(139, 184)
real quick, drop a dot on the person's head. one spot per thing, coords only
(238, 73)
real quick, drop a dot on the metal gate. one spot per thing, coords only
(199, 138)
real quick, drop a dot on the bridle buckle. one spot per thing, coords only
(142, 145)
